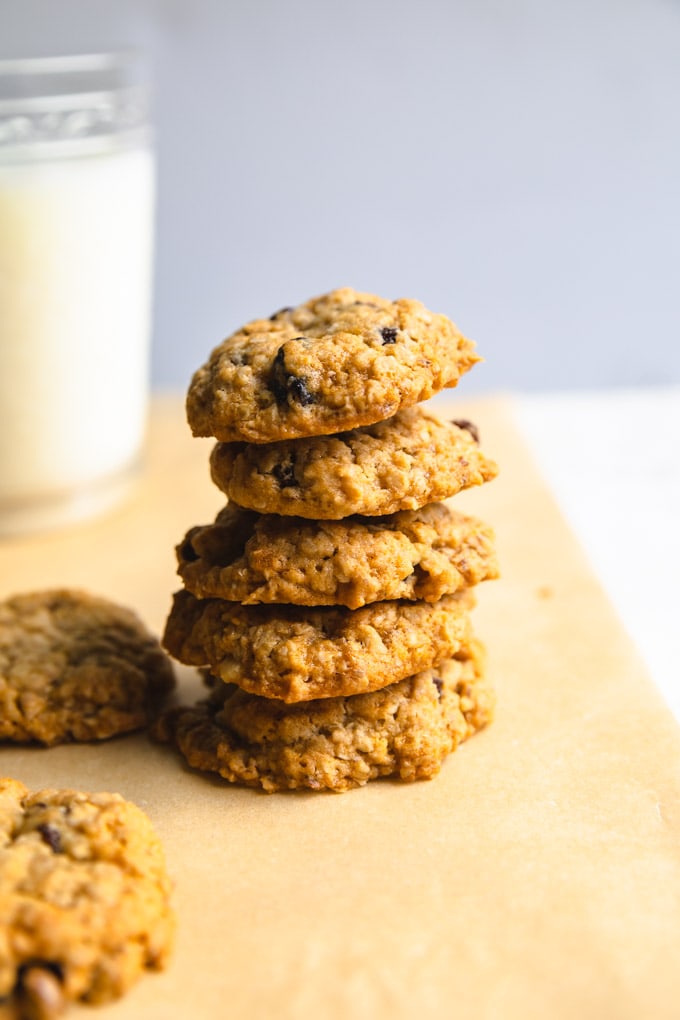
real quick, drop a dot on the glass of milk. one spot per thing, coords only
(76, 252)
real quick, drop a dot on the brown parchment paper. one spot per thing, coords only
(537, 876)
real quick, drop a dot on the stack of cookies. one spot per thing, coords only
(329, 602)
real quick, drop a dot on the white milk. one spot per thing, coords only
(75, 292)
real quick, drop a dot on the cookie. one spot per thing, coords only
(76, 667)
(84, 898)
(336, 362)
(296, 653)
(405, 730)
(400, 464)
(415, 554)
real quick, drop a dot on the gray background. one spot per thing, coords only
(513, 163)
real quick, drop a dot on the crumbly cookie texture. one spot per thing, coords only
(405, 730)
(84, 898)
(74, 666)
(415, 554)
(336, 362)
(400, 464)
(296, 653)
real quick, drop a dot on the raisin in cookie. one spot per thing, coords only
(84, 898)
(76, 667)
(400, 464)
(296, 653)
(339, 361)
(415, 554)
(405, 730)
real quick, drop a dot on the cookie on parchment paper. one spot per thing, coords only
(74, 666)
(84, 898)
(404, 730)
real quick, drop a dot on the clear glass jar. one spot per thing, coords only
(76, 251)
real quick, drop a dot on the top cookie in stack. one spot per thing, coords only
(334, 581)
(335, 363)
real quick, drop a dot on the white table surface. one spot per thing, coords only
(612, 460)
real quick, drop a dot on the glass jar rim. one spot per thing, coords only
(72, 103)
(23, 79)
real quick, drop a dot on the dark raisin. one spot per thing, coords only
(439, 684)
(285, 384)
(38, 989)
(298, 390)
(469, 426)
(33, 964)
(52, 836)
(187, 551)
(281, 311)
(285, 474)
(39, 993)
(366, 304)
(278, 380)
(389, 334)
